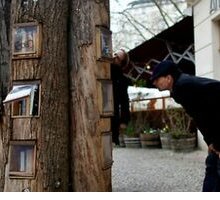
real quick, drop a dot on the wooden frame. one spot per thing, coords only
(103, 44)
(22, 158)
(106, 103)
(107, 161)
(26, 40)
(26, 105)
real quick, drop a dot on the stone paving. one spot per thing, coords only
(157, 170)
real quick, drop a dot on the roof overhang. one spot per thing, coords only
(174, 43)
(179, 36)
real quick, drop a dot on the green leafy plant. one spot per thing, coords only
(130, 129)
(135, 126)
(149, 130)
(140, 83)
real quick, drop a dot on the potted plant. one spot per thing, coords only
(150, 137)
(165, 137)
(177, 133)
(131, 138)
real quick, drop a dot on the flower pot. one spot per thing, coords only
(165, 141)
(121, 140)
(183, 144)
(132, 142)
(150, 140)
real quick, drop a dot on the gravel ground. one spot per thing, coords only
(157, 170)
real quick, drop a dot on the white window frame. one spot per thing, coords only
(26, 92)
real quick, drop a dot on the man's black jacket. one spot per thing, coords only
(200, 97)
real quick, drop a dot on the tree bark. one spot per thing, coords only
(87, 172)
(4, 80)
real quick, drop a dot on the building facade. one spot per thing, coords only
(206, 16)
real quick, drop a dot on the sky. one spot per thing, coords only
(119, 5)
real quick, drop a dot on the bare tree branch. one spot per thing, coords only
(163, 16)
(177, 8)
(133, 24)
(161, 12)
(137, 22)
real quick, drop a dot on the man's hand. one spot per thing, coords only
(212, 149)
(123, 126)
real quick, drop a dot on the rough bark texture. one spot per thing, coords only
(51, 128)
(87, 172)
(69, 150)
(4, 80)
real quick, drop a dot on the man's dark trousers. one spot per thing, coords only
(212, 174)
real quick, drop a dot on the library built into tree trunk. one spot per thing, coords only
(55, 126)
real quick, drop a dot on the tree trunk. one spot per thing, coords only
(4, 79)
(50, 130)
(69, 150)
(87, 171)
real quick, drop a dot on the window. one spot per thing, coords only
(106, 94)
(103, 43)
(22, 158)
(26, 40)
(24, 99)
(107, 150)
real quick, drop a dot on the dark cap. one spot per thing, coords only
(164, 68)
